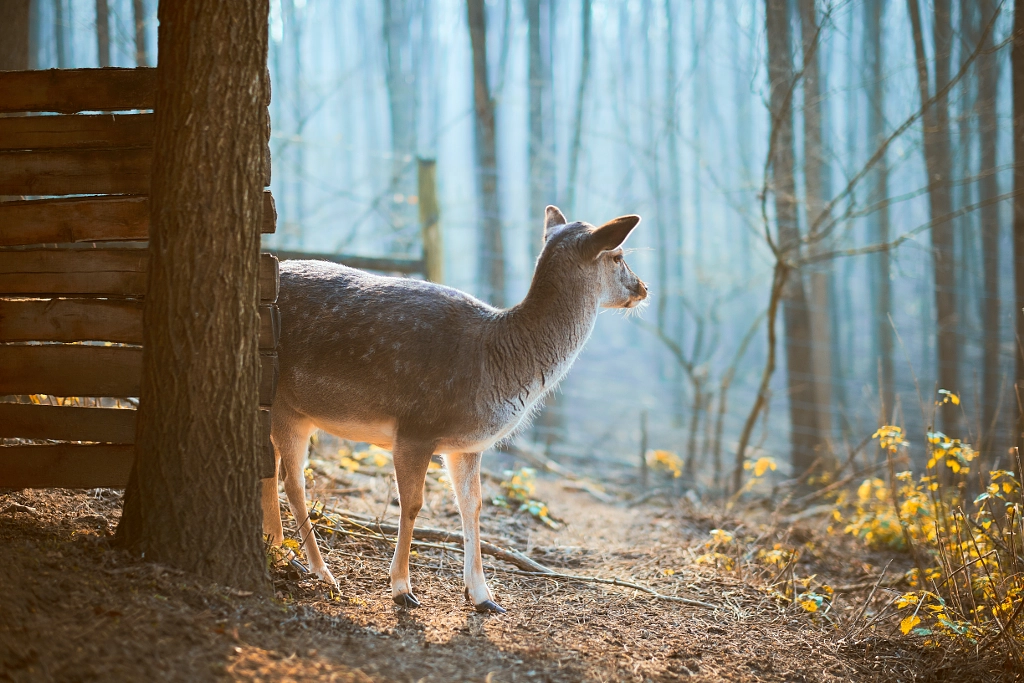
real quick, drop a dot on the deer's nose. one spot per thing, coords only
(640, 289)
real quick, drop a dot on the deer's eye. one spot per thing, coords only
(617, 258)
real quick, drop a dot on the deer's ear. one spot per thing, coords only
(553, 218)
(613, 233)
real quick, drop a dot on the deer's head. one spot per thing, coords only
(593, 254)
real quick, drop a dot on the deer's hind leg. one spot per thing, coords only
(464, 469)
(290, 434)
(411, 460)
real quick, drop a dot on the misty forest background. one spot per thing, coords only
(884, 235)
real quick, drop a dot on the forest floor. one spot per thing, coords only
(73, 608)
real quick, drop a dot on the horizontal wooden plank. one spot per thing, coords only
(112, 320)
(76, 131)
(71, 370)
(96, 272)
(79, 370)
(382, 265)
(73, 90)
(67, 423)
(88, 219)
(66, 466)
(123, 170)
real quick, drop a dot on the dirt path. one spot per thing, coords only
(74, 609)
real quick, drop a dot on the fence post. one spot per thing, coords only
(433, 253)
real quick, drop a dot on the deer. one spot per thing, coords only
(422, 369)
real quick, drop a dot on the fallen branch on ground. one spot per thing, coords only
(524, 565)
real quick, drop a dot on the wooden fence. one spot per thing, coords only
(73, 275)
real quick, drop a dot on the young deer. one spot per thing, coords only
(422, 369)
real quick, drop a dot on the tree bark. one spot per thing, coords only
(796, 317)
(817, 185)
(193, 496)
(988, 189)
(581, 101)
(141, 49)
(541, 127)
(59, 34)
(402, 106)
(14, 35)
(492, 253)
(1017, 66)
(879, 221)
(937, 162)
(102, 33)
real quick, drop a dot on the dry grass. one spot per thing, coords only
(76, 609)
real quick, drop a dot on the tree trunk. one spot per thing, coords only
(102, 33)
(581, 102)
(818, 183)
(937, 162)
(59, 34)
(14, 34)
(293, 24)
(540, 153)
(492, 253)
(671, 219)
(1017, 66)
(400, 76)
(141, 50)
(988, 189)
(796, 317)
(193, 497)
(879, 221)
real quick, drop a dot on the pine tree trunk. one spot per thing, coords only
(539, 150)
(492, 253)
(937, 162)
(988, 189)
(879, 221)
(193, 497)
(102, 33)
(141, 48)
(581, 103)
(400, 77)
(60, 34)
(818, 183)
(1017, 66)
(796, 317)
(14, 34)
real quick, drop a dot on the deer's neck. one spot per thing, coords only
(538, 340)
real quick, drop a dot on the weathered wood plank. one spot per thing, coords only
(76, 131)
(96, 272)
(71, 370)
(73, 90)
(66, 466)
(67, 423)
(123, 170)
(73, 320)
(78, 370)
(88, 219)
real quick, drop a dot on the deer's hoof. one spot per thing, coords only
(407, 600)
(489, 607)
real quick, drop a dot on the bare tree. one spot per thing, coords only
(878, 194)
(796, 316)
(988, 189)
(60, 34)
(402, 106)
(581, 103)
(541, 127)
(937, 162)
(492, 253)
(141, 43)
(14, 34)
(103, 32)
(193, 496)
(1017, 66)
(817, 179)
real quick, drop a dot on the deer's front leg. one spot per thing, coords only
(464, 469)
(411, 461)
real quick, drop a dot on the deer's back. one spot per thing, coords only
(359, 350)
